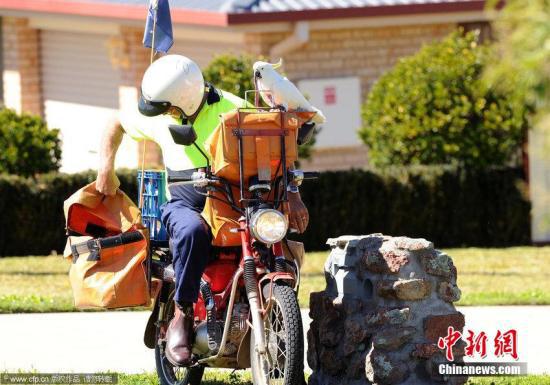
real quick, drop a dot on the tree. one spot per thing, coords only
(231, 73)
(435, 108)
(27, 146)
(234, 74)
(522, 51)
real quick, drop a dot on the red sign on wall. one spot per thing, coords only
(330, 95)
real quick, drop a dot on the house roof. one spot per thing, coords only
(231, 12)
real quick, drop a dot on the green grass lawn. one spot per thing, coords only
(511, 276)
(35, 284)
(224, 378)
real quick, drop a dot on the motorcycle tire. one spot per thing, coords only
(168, 373)
(284, 341)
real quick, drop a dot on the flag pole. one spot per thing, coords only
(154, 6)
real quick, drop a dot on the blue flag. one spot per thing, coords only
(159, 9)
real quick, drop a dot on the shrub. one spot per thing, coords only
(449, 206)
(231, 73)
(434, 108)
(27, 146)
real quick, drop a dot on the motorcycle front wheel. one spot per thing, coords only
(283, 362)
(169, 374)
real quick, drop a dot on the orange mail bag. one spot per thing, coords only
(260, 130)
(106, 272)
(261, 156)
(221, 218)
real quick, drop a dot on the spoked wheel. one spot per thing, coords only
(283, 363)
(168, 373)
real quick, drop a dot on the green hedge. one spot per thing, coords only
(32, 220)
(446, 205)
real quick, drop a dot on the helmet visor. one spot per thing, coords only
(152, 108)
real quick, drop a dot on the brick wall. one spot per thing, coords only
(363, 52)
(21, 55)
(336, 158)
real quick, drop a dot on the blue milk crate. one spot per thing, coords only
(154, 195)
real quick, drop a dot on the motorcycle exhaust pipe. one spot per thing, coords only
(212, 328)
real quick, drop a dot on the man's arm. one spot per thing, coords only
(107, 182)
(298, 215)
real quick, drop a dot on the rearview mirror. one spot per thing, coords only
(183, 134)
(305, 133)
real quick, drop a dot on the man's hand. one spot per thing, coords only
(107, 182)
(298, 215)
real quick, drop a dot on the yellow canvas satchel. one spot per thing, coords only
(107, 271)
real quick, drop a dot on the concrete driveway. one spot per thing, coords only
(93, 342)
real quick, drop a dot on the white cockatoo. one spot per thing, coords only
(277, 90)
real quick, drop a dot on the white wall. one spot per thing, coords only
(81, 95)
(340, 101)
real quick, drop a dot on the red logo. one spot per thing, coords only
(330, 95)
(476, 344)
(449, 341)
(504, 343)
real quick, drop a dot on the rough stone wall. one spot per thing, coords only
(22, 73)
(386, 303)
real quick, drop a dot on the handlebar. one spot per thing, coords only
(197, 178)
(311, 174)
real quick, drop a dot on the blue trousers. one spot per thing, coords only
(190, 239)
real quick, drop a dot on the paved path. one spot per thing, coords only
(91, 342)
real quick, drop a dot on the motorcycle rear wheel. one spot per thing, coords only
(169, 374)
(284, 341)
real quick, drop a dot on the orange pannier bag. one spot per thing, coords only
(260, 131)
(221, 218)
(107, 272)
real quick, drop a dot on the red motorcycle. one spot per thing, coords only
(247, 315)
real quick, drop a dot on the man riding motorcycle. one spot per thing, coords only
(173, 91)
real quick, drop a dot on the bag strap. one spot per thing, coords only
(94, 246)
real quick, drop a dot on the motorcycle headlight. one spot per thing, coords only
(268, 226)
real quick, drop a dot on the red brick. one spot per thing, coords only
(436, 326)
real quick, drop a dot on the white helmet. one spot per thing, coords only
(172, 80)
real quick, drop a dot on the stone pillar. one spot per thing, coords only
(22, 69)
(132, 59)
(387, 302)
